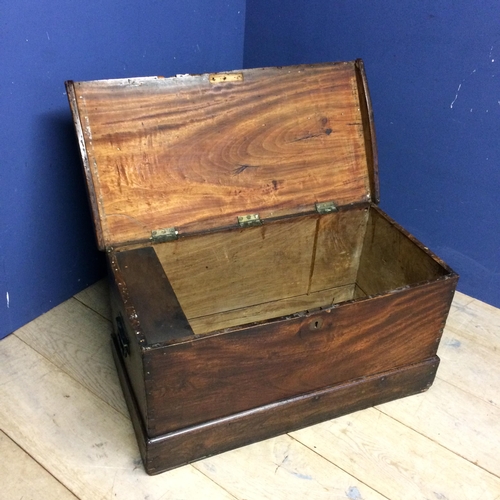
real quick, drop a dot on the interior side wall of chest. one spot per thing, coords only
(243, 276)
(231, 278)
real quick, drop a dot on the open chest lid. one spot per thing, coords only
(195, 152)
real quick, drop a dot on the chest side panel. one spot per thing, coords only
(219, 375)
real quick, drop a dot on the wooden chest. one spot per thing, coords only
(256, 286)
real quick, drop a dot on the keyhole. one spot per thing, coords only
(316, 324)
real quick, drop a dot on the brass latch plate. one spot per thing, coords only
(225, 77)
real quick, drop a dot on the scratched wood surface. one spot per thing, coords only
(257, 265)
(64, 435)
(194, 154)
(272, 309)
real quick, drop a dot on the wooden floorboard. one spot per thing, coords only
(457, 420)
(77, 437)
(23, 478)
(66, 432)
(77, 340)
(397, 461)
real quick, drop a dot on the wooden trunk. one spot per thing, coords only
(256, 286)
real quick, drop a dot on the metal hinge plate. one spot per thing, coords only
(162, 235)
(326, 207)
(249, 220)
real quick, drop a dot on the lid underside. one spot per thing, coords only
(194, 152)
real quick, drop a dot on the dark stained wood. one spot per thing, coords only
(289, 415)
(187, 379)
(184, 152)
(121, 306)
(220, 374)
(87, 169)
(157, 311)
(142, 296)
(369, 131)
(238, 429)
(130, 393)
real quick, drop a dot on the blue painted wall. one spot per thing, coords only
(434, 75)
(47, 246)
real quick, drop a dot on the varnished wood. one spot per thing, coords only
(88, 168)
(184, 152)
(321, 347)
(274, 270)
(369, 131)
(241, 429)
(228, 335)
(195, 442)
(272, 361)
(139, 284)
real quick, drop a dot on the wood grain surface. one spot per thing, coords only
(425, 470)
(241, 276)
(392, 258)
(185, 152)
(273, 309)
(236, 277)
(35, 483)
(233, 269)
(240, 429)
(41, 406)
(219, 374)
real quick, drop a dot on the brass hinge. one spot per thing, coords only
(326, 207)
(162, 235)
(249, 220)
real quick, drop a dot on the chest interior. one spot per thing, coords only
(290, 267)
